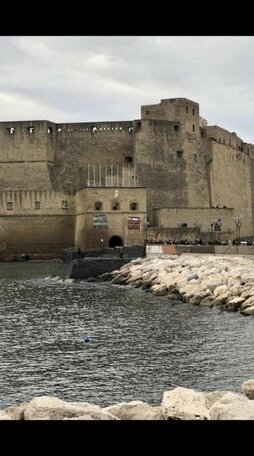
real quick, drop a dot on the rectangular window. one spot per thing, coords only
(64, 204)
(37, 205)
(9, 206)
(193, 111)
(187, 109)
(133, 206)
(193, 127)
(179, 153)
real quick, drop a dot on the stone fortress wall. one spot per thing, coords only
(170, 153)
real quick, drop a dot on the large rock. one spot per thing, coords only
(248, 310)
(16, 412)
(234, 304)
(248, 389)
(52, 408)
(232, 407)
(135, 410)
(213, 396)
(184, 404)
(4, 416)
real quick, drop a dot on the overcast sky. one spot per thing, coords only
(89, 78)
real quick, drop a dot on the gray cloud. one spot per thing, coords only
(68, 79)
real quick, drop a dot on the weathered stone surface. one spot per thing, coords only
(184, 404)
(52, 408)
(213, 396)
(220, 290)
(248, 310)
(135, 410)
(207, 302)
(4, 416)
(232, 407)
(234, 304)
(17, 412)
(248, 389)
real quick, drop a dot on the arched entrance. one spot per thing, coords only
(115, 241)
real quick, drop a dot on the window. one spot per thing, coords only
(59, 130)
(147, 113)
(193, 127)
(9, 206)
(64, 204)
(133, 206)
(37, 205)
(193, 111)
(30, 130)
(195, 157)
(11, 130)
(187, 109)
(176, 127)
(98, 206)
(115, 206)
(50, 130)
(179, 153)
(128, 159)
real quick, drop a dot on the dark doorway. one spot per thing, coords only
(115, 241)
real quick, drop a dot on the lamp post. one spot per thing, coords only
(146, 224)
(214, 221)
(238, 222)
(179, 226)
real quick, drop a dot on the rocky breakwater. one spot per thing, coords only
(177, 404)
(224, 282)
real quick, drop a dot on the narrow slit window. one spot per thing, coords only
(193, 127)
(64, 204)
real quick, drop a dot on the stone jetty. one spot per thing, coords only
(223, 282)
(177, 404)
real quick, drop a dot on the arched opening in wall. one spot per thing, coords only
(128, 159)
(115, 241)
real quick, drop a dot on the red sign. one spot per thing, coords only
(134, 223)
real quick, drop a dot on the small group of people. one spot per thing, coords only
(175, 242)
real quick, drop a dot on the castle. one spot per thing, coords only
(97, 184)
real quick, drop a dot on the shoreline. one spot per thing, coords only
(224, 282)
(177, 404)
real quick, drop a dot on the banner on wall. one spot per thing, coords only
(134, 223)
(100, 221)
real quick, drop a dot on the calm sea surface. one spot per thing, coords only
(141, 345)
